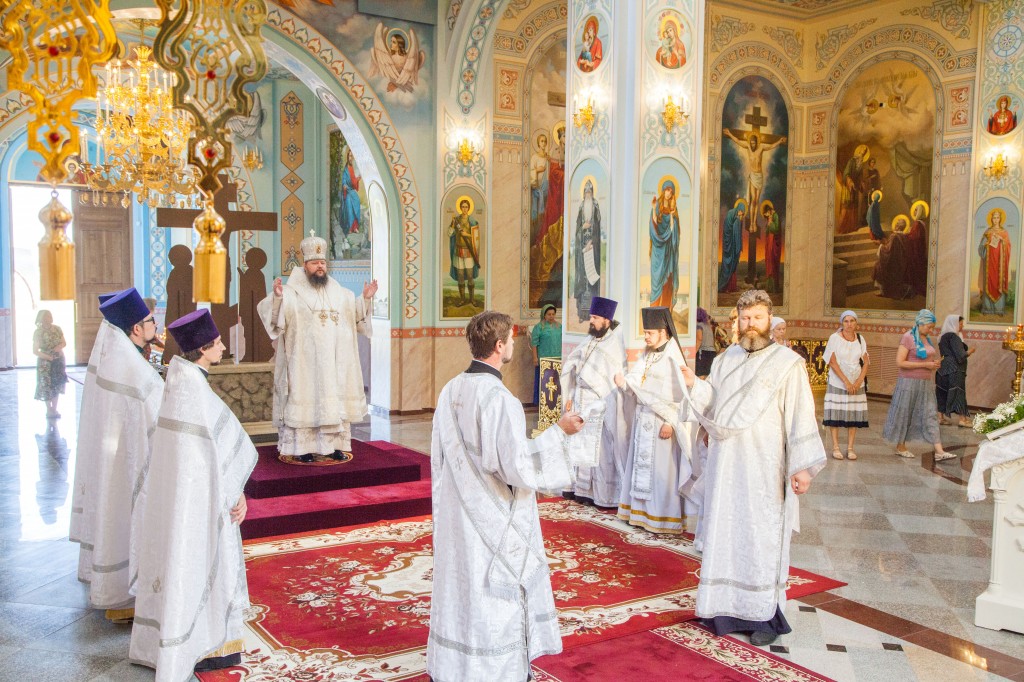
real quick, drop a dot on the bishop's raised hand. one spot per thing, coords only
(369, 289)
(278, 288)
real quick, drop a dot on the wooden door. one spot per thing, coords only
(103, 262)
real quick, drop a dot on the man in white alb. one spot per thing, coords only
(318, 381)
(588, 388)
(191, 592)
(110, 475)
(763, 450)
(492, 610)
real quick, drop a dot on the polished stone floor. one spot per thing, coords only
(913, 550)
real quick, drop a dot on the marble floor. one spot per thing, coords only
(900, 532)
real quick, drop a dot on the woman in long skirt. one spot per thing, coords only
(951, 379)
(846, 400)
(912, 412)
(51, 376)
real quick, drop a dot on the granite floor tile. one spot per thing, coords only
(55, 666)
(129, 672)
(906, 523)
(945, 567)
(960, 594)
(833, 537)
(93, 635)
(64, 591)
(926, 543)
(858, 560)
(852, 519)
(23, 623)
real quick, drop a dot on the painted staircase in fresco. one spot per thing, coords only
(855, 257)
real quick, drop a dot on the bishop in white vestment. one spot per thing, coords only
(492, 610)
(191, 592)
(588, 387)
(318, 381)
(763, 449)
(660, 443)
(118, 421)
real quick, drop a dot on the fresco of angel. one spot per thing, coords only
(396, 56)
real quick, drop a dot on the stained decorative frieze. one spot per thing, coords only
(828, 44)
(725, 29)
(791, 42)
(952, 15)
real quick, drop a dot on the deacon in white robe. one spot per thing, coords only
(763, 449)
(318, 381)
(660, 444)
(118, 417)
(588, 388)
(191, 592)
(492, 610)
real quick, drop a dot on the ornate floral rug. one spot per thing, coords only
(354, 604)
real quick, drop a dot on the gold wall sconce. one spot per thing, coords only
(252, 159)
(996, 165)
(673, 115)
(584, 117)
(466, 150)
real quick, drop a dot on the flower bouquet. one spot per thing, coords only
(1006, 418)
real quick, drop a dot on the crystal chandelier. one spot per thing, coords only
(142, 140)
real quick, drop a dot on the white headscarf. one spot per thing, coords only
(951, 324)
(776, 321)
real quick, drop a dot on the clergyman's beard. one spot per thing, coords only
(755, 339)
(598, 333)
(318, 281)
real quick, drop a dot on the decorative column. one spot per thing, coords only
(1001, 606)
(635, 88)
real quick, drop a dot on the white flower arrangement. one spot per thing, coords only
(1007, 417)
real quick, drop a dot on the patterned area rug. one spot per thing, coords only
(354, 604)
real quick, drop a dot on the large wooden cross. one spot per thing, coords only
(224, 314)
(756, 120)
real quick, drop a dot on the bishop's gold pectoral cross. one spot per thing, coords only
(334, 316)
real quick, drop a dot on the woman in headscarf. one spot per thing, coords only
(846, 400)
(913, 412)
(48, 347)
(951, 379)
(545, 342)
(705, 344)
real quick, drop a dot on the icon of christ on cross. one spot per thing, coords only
(754, 144)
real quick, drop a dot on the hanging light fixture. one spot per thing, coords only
(54, 45)
(56, 253)
(141, 138)
(214, 48)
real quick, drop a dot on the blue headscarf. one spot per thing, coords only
(924, 316)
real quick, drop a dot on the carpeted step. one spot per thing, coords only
(372, 464)
(333, 508)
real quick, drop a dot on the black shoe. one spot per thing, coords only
(306, 459)
(762, 637)
(338, 456)
(218, 663)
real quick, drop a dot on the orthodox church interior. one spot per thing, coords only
(841, 155)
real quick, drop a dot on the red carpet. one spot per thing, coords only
(382, 481)
(356, 601)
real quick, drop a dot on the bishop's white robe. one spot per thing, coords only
(588, 379)
(650, 490)
(318, 381)
(118, 417)
(492, 610)
(191, 592)
(759, 412)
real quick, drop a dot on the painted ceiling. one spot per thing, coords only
(798, 8)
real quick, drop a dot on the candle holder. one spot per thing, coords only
(1015, 343)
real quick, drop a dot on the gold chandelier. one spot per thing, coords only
(142, 140)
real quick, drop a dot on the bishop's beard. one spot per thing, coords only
(318, 281)
(755, 339)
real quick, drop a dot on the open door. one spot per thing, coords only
(103, 261)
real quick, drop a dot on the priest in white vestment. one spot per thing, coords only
(318, 381)
(88, 443)
(763, 450)
(492, 610)
(191, 592)
(118, 418)
(588, 388)
(660, 444)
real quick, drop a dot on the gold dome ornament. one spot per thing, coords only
(56, 253)
(209, 273)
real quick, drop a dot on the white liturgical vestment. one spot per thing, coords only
(759, 413)
(588, 380)
(650, 491)
(318, 381)
(191, 592)
(492, 610)
(117, 423)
